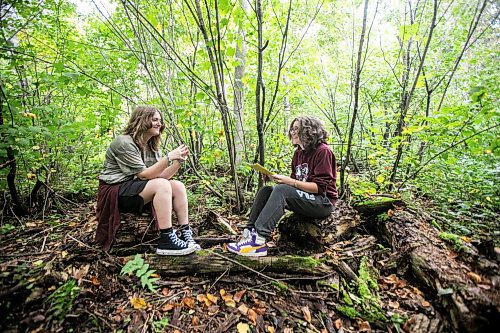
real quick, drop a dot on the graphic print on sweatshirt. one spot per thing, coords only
(301, 172)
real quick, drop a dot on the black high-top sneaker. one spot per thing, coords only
(187, 236)
(170, 245)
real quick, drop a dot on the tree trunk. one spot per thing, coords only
(468, 292)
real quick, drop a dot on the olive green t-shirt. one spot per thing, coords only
(124, 160)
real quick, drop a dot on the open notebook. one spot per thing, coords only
(261, 169)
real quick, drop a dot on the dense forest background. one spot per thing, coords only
(408, 91)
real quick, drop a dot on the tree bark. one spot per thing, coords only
(209, 262)
(468, 291)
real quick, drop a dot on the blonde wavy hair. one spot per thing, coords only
(140, 121)
(311, 132)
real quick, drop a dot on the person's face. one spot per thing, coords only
(156, 125)
(294, 132)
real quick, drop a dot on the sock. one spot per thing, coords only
(166, 230)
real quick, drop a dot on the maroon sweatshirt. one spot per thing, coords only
(318, 166)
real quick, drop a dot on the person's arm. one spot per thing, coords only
(171, 170)
(304, 186)
(162, 168)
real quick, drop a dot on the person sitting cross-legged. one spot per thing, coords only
(310, 191)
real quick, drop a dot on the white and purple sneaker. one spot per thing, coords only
(250, 245)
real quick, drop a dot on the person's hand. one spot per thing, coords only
(281, 179)
(180, 153)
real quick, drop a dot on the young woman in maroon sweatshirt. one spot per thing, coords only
(309, 191)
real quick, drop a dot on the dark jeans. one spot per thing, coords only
(271, 201)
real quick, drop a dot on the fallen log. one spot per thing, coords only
(303, 233)
(210, 262)
(469, 295)
(377, 206)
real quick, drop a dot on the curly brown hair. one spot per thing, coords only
(140, 121)
(311, 131)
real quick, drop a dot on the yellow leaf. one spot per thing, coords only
(270, 329)
(138, 303)
(307, 314)
(154, 275)
(243, 328)
(380, 179)
(64, 254)
(466, 239)
(230, 303)
(488, 199)
(474, 277)
(212, 298)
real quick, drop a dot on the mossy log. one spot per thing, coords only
(468, 290)
(314, 234)
(376, 206)
(210, 262)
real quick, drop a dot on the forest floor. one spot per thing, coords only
(53, 278)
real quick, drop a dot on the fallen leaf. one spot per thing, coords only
(95, 281)
(338, 324)
(138, 303)
(425, 304)
(394, 305)
(195, 321)
(212, 310)
(167, 307)
(79, 274)
(243, 327)
(189, 302)
(270, 329)
(260, 311)
(364, 326)
(466, 239)
(230, 303)
(252, 315)
(307, 314)
(237, 297)
(474, 277)
(390, 212)
(212, 298)
(243, 309)
(165, 291)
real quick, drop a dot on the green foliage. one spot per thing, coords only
(140, 269)
(160, 325)
(61, 300)
(452, 239)
(6, 228)
(361, 300)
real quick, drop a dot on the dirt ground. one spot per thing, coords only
(53, 278)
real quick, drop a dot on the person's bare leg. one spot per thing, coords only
(159, 191)
(179, 201)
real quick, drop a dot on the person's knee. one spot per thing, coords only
(281, 188)
(161, 185)
(177, 186)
